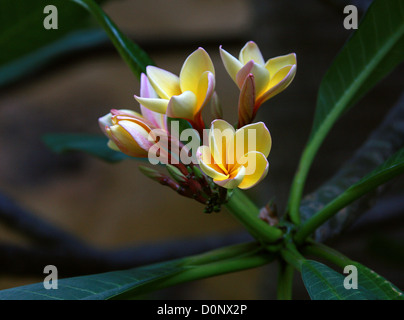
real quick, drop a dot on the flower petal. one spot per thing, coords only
(231, 64)
(282, 79)
(261, 76)
(105, 122)
(234, 180)
(221, 143)
(275, 64)
(194, 66)
(182, 106)
(246, 101)
(159, 120)
(206, 87)
(164, 82)
(154, 104)
(256, 166)
(207, 164)
(131, 138)
(253, 137)
(249, 52)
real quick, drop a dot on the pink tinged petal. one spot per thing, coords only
(158, 120)
(207, 164)
(234, 180)
(156, 105)
(182, 106)
(261, 76)
(165, 83)
(256, 169)
(206, 87)
(243, 73)
(253, 137)
(194, 66)
(275, 64)
(231, 64)
(251, 52)
(246, 101)
(282, 79)
(131, 140)
(105, 122)
(221, 143)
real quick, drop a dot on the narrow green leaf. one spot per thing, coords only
(374, 50)
(131, 53)
(377, 285)
(393, 167)
(323, 283)
(95, 287)
(95, 145)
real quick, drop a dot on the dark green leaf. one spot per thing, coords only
(95, 145)
(374, 50)
(323, 283)
(377, 285)
(131, 53)
(27, 44)
(95, 287)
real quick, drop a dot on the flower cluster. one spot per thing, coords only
(223, 156)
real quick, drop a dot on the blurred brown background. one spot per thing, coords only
(109, 206)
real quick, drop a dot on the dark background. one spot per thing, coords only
(110, 206)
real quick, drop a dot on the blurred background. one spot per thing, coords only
(113, 207)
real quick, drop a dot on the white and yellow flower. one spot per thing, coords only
(269, 78)
(236, 158)
(182, 96)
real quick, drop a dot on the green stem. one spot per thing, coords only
(285, 281)
(132, 54)
(326, 213)
(329, 254)
(248, 214)
(209, 264)
(292, 256)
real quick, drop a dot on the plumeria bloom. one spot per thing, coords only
(131, 132)
(236, 158)
(182, 96)
(257, 80)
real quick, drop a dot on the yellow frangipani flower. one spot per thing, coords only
(186, 95)
(236, 158)
(269, 78)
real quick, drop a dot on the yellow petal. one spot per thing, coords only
(182, 106)
(164, 82)
(279, 82)
(206, 87)
(207, 164)
(221, 143)
(253, 137)
(275, 64)
(251, 52)
(261, 76)
(193, 68)
(256, 166)
(131, 138)
(156, 105)
(234, 180)
(231, 64)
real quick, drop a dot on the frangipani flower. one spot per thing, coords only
(257, 78)
(236, 158)
(184, 96)
(131, 132)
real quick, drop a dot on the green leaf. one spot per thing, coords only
(95, 287)
(374, 50)
(131, 53)
(377, 285)
(95, 145)
(323, 283)
(26, 43)
(393, 167)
